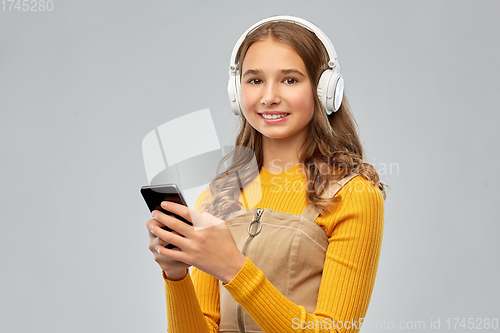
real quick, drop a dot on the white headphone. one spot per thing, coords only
(330, 85)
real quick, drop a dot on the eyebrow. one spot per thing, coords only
(283, 71)
(252, 72)
(292, 71)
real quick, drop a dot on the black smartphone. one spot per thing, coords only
(154, 195)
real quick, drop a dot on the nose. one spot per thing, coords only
(271, 94)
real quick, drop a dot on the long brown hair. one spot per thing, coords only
(331, 150)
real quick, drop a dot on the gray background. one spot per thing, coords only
(81, 86)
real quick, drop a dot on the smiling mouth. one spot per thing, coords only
(273, 116)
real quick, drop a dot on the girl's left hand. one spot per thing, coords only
(207, 245)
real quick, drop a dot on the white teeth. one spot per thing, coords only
(274, 116)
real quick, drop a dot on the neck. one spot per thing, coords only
(280, 154)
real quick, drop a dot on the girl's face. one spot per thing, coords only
(275, 82)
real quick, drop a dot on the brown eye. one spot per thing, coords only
(290, 80)
(255, 81)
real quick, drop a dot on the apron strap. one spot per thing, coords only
(311, 213)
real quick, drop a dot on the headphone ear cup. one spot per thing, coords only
(234, 94)
(339, 92)
(238, 94)
(330, 90)
(322, 87)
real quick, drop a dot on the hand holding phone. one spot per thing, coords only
(154, 195)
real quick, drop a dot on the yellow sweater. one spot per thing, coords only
(354, 229)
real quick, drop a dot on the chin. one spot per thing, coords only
(275, 135)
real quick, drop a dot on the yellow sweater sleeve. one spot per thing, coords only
(351, 263)
(184, 313)
(193, 303)
(355, 230)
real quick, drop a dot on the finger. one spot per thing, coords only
(158, 242)
(168, 264)
(170, 237)
(176, 208)
(162, 220)
(161, 242)
(153, 243)
(154, 238)
(174, 254)
(151, 224)
(199, 221)
(172, 222)
(176, 233)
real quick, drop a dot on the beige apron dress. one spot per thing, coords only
(289, 249)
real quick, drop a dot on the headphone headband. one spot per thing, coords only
(234, 67)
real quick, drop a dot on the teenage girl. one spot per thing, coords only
(304, 258)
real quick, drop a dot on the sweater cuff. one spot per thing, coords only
(180, 287)
(183, 309)
(246, 282)
(165, 277)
